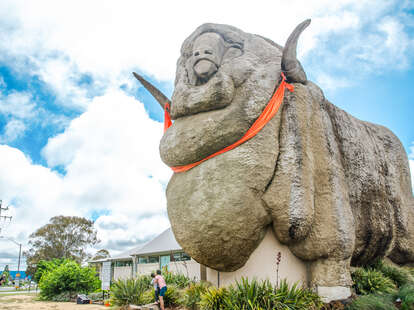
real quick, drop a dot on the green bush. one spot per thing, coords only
(178, 280)
(400, 276)
(213, 298)
(68, 277)
(372, 302)
(250, 295)
(296, 297)
(370, 281)
(192, 294)
(65, 296)
(44, 266)
(148, 297)
(172, 296)
(129, 291)
(406, 294)
(96, 296)
(259, 295)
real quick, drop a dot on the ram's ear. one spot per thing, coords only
(290, 65)
(155, 92)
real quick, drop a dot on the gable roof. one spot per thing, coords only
(165, 242)
(125, 255)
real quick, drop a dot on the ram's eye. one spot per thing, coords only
(208, 52)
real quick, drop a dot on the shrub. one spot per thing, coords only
(148, 297)
(372, 302)
(255, 295)
(250, 295)
(296, 297)
(192, 294)
(213, 298)
(406, 294)
(65, 296)
(44, 266)
(172, 296)
(129, 291)
(370, 281)
(400, 276)
(178, 280)
(96, 296)
(68, 277)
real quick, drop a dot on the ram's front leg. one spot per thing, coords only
(289, 197)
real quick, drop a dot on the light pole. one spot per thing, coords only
(20, 254)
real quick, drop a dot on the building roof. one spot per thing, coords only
(126, 255)
(165, 242)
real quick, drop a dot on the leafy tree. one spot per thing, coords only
(45, 266)
(70, 278)
(6, 274)
(103, 253)
(63, 237)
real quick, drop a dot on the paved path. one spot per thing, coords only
(8, 290)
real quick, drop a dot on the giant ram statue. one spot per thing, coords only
(335, 189)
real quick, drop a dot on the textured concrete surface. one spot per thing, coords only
(336, 189)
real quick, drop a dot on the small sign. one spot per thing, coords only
(106, 275)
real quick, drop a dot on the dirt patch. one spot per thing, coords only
(26, 302)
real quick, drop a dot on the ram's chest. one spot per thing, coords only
(219, 202)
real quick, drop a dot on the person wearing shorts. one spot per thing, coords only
(163, 288)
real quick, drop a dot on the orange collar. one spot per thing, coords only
(267, 114)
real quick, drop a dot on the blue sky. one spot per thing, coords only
(79, 136)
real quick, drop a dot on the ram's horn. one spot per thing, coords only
(290, 65)
(155, 92)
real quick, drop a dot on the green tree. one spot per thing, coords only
(103, 253)
(45, 266)
(6, 273)
(63, 237)
(70, 278)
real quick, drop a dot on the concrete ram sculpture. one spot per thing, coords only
(336, 189)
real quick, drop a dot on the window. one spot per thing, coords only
(185, 256)
(176, 257)
(123, 263)
(143, 260)
(153, 259)
(181, 256)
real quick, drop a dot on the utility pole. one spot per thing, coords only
(4, 216)
(20, 254)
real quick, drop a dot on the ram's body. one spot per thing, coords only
(336, 189)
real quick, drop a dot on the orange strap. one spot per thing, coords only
(167, 117)
(267, 114)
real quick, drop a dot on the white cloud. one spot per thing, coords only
(114, 37)
(2, 83)
(110, 154)
(15, 107)
(17, 104)
(13, 130)
(328, 82)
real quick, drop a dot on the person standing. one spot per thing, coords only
(156, 288)
(159, 279)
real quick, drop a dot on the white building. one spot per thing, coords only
(164, 250)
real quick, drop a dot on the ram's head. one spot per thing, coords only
(225, 78)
